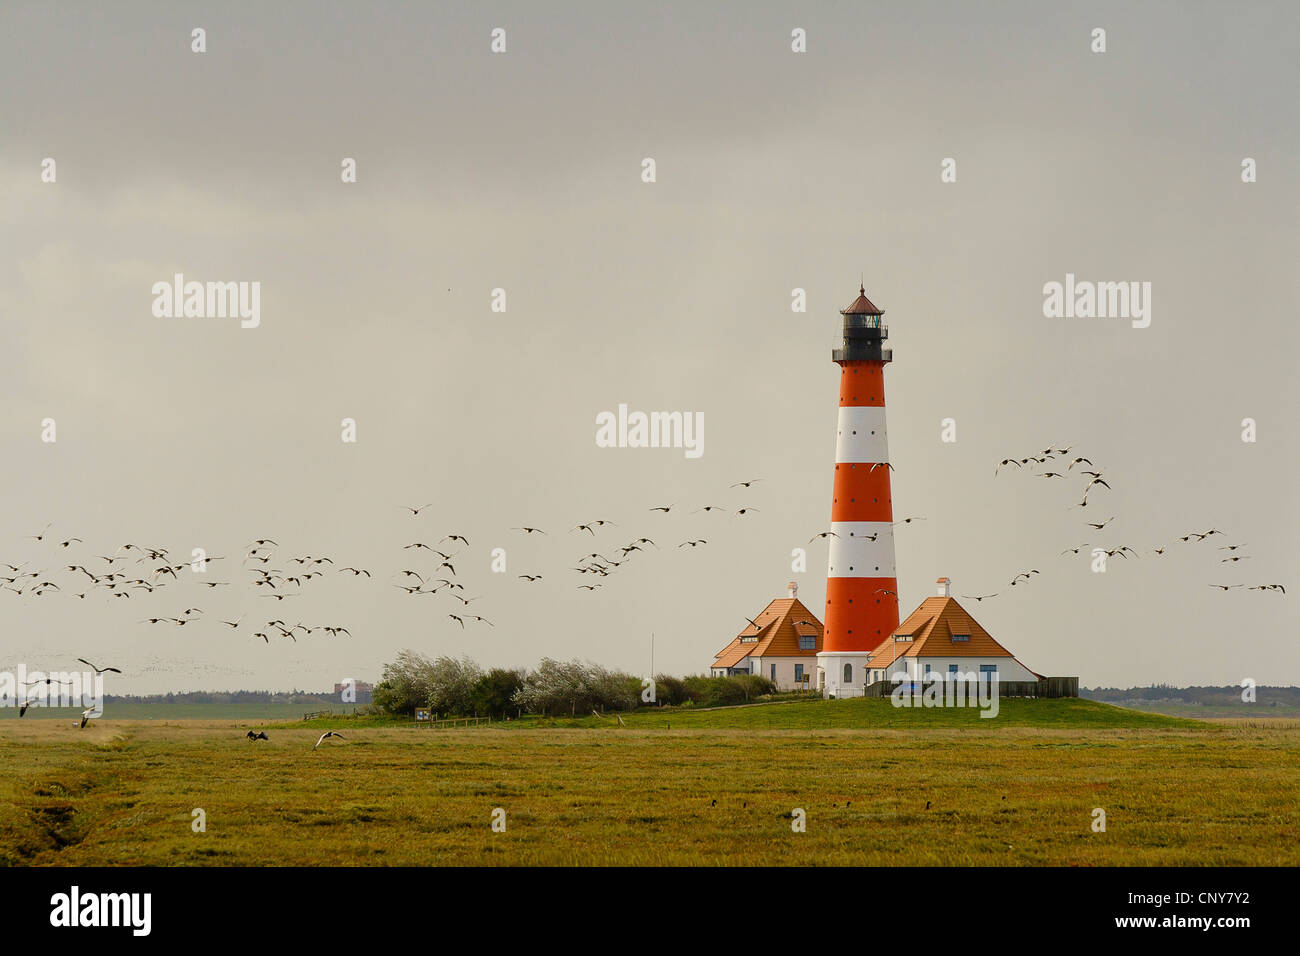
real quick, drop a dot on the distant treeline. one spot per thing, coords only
(449, 686)
(229, 697)
(1205, 696)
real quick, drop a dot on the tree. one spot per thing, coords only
(493, 695)
(444, 685)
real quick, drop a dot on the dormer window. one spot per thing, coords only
(960, 637)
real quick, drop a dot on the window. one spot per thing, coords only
(773, 673)
(988, 672)
(848, 673)
(902, 637)
(749, 640)
(798, 673)
(960, 637)
(927, 670)
(807, 642)
(952, 671)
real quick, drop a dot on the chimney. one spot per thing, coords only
(794, 589)
(945, 587)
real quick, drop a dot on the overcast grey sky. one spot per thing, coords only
(522, 170)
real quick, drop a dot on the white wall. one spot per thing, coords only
(1008, 669)
(785, 670)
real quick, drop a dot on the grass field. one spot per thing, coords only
(716, 788)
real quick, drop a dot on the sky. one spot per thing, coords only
(523, 171)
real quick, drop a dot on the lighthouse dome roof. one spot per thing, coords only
(862, 305)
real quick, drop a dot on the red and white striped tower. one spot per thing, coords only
(861, 583)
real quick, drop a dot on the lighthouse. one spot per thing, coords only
(861, 583)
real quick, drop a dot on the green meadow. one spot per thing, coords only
(875, 784)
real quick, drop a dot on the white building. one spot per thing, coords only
(939, 637)
(783, 647)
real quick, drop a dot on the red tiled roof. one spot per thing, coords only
(932, 626)
(780, 626)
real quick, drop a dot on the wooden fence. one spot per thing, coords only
(454, 722)
(1046, 687)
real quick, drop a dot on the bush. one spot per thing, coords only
(576, 687)
(670, 690)
(444, 685)
(494, 693)
(720, 691)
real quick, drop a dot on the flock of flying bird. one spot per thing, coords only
(146, 574)
(280, 577)
(1056, 458)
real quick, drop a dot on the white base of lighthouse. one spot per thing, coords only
(842, 673)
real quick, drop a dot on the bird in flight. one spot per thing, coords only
(1076, 461)
(86, 715)
(980, 597)
(1267, 587)
(416, 511)
(708, 508)
(41, 536)
(693, 544)
(531, 577)
(475, 617)
(1238, 557)
(1006, 461)
(1075, 550)
(358, 571)
(1225, 587)
(326, 735)
(1092, 524)
(98, 670)
(746, 484)
(881, 464)
(664, 508)
(527, 530)
(886, 591)
(909, 520)
(1230, 547)
(744, 511)
(822, 534)
(456, 537)
(458, 620)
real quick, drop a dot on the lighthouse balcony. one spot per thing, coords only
(862, 353)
